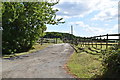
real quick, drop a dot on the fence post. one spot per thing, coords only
(104, 41)
(96, 42)
(92, 42)
(101, 40)
(88, 43)
(84, 42)
(56, 40)
(119, 39)
(79, 42)
(107, 42)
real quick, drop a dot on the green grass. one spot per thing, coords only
(86, 64)
(35, 48)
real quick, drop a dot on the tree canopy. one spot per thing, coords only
(24, 23)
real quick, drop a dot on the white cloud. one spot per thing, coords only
(79, 8)
(87, 28)
(73, 8)
(108, 10)
(96, 30)
(106, 24)
(114, 28)
(107, 14)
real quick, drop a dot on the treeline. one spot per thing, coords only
(65, 37)
(59, 35)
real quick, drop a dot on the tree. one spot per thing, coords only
(24, 23)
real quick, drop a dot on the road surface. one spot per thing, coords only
(46, 63)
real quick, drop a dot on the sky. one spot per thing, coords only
(88, 17)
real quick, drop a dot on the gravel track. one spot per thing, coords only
(46, 63)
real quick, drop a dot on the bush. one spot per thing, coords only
(111, 62)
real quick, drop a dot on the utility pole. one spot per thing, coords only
(71, 33)
(71, 29)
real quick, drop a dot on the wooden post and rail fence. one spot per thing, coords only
(100, 40)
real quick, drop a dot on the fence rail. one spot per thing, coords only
(97, 40)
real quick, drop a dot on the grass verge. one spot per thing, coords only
(84, 65)
(35, 48)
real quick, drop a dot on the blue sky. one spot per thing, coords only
(88, 17)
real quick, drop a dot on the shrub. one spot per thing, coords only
(111, 62)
